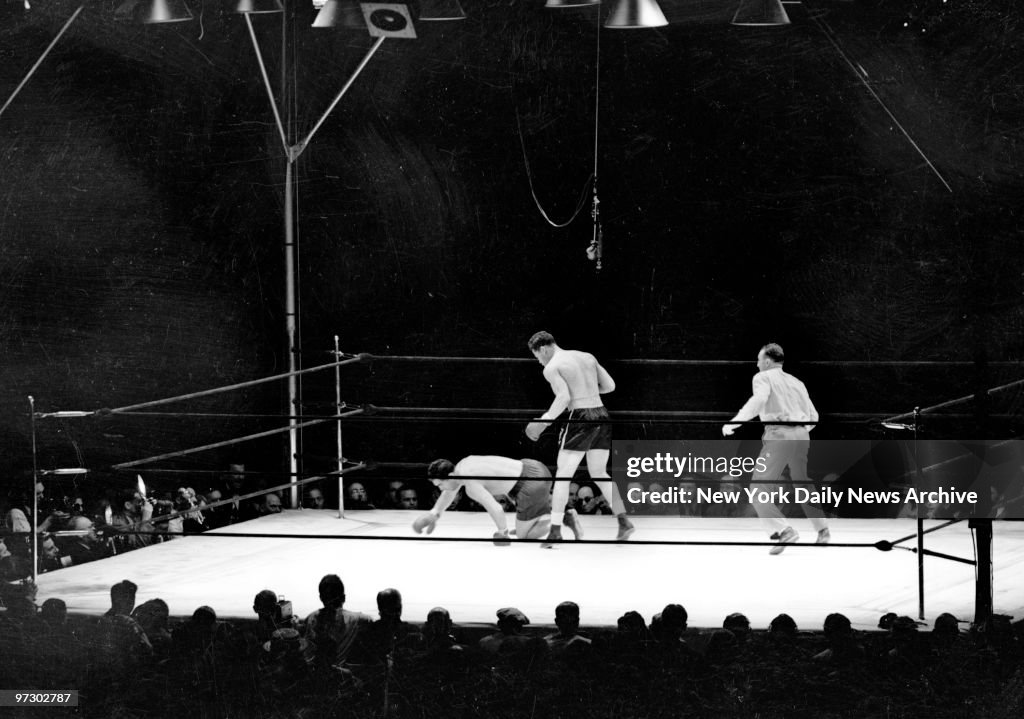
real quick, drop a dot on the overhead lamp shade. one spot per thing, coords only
(760, 13)
(439, 10)
(570, 3)
(340, 13)
(164, 11)
(259, 7)
(636, 14)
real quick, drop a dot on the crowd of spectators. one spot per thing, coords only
(78, 524)
(143, 659)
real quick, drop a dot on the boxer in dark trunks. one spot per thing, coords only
(578, 381)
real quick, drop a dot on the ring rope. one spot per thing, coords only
(226, 443)
(463, 414)
(201, 393)
(882, 545)
(688, 362)
(957, 400)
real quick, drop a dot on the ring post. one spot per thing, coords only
(35, 495)
(337, 409)
(920, 522)
(983, 568)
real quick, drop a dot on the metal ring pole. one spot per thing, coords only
(341, 457)
(35, 495)
(920, 523)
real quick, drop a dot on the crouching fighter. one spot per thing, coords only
(526, 482)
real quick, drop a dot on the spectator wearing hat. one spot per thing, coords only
(843, 648)
(567, 638)
(945, 630)
(906, 651)
(510, 636)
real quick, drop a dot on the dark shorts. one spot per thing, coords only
(533, 496)
(590, 434)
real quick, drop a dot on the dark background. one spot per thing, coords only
(751, 190)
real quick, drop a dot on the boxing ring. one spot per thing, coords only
(458, 569)
(712, 566)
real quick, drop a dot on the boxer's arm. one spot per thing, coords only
(445, 499)
(605, 383)
(426, 522)
(481, 496)
(562, 395)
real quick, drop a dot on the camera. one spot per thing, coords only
(282, 611)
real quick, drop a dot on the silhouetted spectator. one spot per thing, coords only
(121, 645)
(905, 645)
(510, 636)
(207, 650)
(389, 634)
(783, 625)
(284, 669)
(271, 614)
(843, 648)
(154, 617)
(739, 625)
(333, 630)
(437, 632)
(567, 638)
(945, 631)
(668, 625)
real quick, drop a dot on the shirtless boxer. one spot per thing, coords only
(526, 481)
(578, 381)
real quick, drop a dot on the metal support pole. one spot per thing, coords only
(291, 324)
(920, 521)
(983, 581)
(35, 495)
(337, 408)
